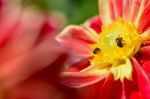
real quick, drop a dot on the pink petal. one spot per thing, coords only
(95, 23)
(132, 9)
(105, 11)
(143, 80)
(27, 63)
(77, 39)
(128, 9)
(112, 9)
(8, 26)
(24, 36)
(22, 45)
(144, 22)
(116, 8)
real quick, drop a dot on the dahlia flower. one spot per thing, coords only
(110, 53)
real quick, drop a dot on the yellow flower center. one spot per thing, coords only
(117, 43)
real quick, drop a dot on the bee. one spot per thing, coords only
(119, 41)
(96, 50)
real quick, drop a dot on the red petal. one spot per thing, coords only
(144, 23)
(78, 65)
(146, 67)
(105, 89)
(146, 43)
(95, 23)
(143, 80)
(43, 85)
(110, 88)
(80, 75)
(136, 95)
(145, 51)
(78, 81)
(130, 87)
(144, 58)
(91, 91)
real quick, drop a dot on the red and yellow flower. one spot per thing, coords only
(111, 50)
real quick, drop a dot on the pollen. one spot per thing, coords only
(118, 42)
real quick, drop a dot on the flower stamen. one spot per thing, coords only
(118, 42)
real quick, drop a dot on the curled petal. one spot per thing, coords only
(145, 51)
(95, 23)
(77, 81)
(143, 80)
(145, 36)
(77, 64)
(77, 35)
(80, 78)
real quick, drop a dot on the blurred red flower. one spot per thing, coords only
(29, 53)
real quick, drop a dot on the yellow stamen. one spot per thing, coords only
(118, 42)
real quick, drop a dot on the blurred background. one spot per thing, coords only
(32, 59)
(76, 11)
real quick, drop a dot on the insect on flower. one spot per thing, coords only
(109, 44)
